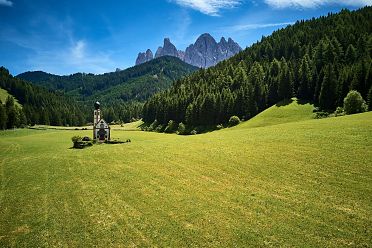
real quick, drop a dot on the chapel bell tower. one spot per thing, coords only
(96, 118)
(101, 130)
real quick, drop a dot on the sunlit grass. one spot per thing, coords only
(304, 184)
(284, 112)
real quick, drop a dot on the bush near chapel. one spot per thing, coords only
(354, 103)
(79, 143)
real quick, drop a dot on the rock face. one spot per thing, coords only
(205, 52)
(144, 57)
(167, 49)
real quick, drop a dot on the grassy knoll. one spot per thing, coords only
(284, 112)
(298, 184)
(4, 95)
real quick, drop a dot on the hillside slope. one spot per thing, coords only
(298, 184)
(283, 112)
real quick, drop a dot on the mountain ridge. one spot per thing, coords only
(170, 67)
(204, 53)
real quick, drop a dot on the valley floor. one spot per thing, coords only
(299, 184)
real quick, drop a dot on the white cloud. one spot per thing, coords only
(209, 7)
(77, 57)
(305, 4)
(6, 3)
(258, 25)
(78, 49)
(59, 55)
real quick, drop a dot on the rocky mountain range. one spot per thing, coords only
(205, 52)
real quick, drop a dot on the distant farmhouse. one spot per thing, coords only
(101, 130)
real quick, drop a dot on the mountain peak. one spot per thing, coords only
(144, 57)
(206, 35)
(167, 49)
(205, 38)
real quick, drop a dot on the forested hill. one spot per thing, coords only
(317, 60)
(39, 105)
(135, 83)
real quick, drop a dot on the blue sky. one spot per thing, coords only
(64, 37)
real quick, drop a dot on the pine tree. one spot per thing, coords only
(240, 77)
(319, 55)
(3, 117)
(328, 97)
(190, 114)
(338, 51)
(329, 56)
(350, 55)
(285, 89)
(11, 113)
(256, 78)
(22, 118)
(251, 103)
(273, 82)
(305, 79)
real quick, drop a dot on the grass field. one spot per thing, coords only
(301, 183)
(4, 95)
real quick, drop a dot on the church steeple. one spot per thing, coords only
(101, 130)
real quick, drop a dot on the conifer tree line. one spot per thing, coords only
(121, 111)
(48, 107)
(39, 105)
(318, 60)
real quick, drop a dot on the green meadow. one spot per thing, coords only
(281, 179)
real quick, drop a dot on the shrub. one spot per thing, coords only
(354, 103)
(193, 132)
(339, 111)
(171, 127)
(321, 115)
(153, 126)
(181, 128)
(316, 109)
(159, 128)
(76, 138)
(219, 126)
(234, 120)
(79, 143)
(82, 144)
